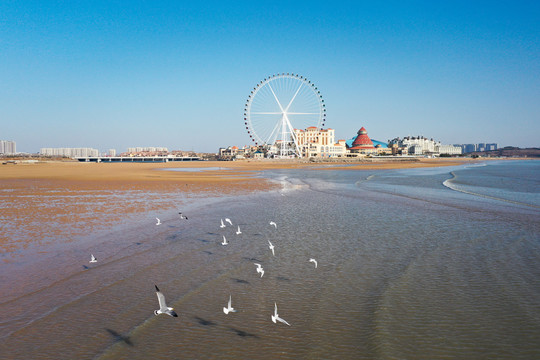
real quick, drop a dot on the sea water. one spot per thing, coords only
(430, 263)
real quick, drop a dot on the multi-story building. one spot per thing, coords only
(313, 142)
(147, 149)
(420, 145)
(8, 147)
(69, 152)
(423, 146)
(469, 148)
(449, 150)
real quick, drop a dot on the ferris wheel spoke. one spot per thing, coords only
(273, 131)
(298, 113)
(294, 97)
(275, 97)
(267, 113)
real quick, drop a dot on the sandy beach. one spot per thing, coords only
(377, 286)
(75, 198)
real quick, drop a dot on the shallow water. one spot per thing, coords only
(407, 268)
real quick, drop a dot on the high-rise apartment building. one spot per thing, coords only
(69, 152)
(469, 148)
(8, 147)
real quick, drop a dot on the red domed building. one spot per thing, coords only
(363, 144)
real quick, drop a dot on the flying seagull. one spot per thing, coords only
(260, 269)
(92, 258)
(313, 261)
(163, 308)
(222, 224)
(228, 220)
(158, 221)
(276, 316)
(229, 308)
(238, 232)
(224, 241)
(273, 223)
(271, 247)
(182, 216)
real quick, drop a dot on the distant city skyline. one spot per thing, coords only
(177, 74)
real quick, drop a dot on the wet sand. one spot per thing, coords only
(47, 201)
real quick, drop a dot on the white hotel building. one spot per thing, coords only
(319, 143)
(423, 146)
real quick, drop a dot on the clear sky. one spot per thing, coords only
(117, 74)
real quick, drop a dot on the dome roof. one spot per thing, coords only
(362, 141)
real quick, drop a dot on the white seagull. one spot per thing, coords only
(271, 247)
(229, 308)
(228, 220)
(163, 308)
(182, 216)
(260, 269)
(273, 223)
(158, 221)
(313, 261)
(276, 316)
(224, 241)
(238, 232)
(222, 224)
(92, 258)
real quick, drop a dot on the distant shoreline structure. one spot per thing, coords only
(138, 159)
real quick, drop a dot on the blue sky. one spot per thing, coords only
(116, 74)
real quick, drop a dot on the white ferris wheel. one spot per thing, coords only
(278, 105)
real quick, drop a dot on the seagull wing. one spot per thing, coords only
(275, 310)
(283, 321)
(229, 304)
(161, 298)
